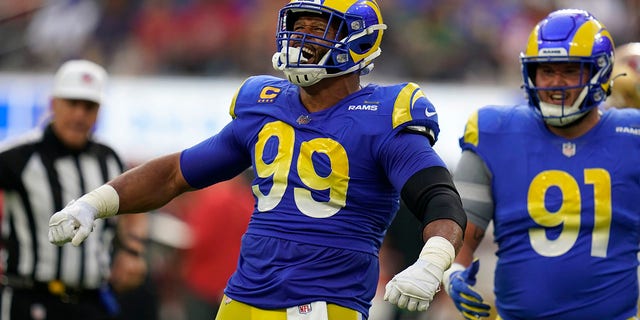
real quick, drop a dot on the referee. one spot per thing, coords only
(39, 174)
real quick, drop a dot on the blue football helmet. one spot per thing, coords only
(357, 43)
(569, 36)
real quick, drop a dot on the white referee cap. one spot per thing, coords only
(80, 79)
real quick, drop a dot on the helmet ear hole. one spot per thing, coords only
(364, 46)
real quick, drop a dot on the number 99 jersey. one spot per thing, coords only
(566, 217)
(326, 186)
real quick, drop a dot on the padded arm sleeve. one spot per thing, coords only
(431, 195)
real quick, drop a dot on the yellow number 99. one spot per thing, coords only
(337, 181)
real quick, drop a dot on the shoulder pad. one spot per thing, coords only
(494, 119)
(257, 90)
(410, 109)
(471, 132)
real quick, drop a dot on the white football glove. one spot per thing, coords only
(75, 221)
(415, 287)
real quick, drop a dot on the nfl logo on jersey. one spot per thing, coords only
(304, 309)
(569, 149)
(303, 119)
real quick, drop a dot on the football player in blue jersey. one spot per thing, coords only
(331, 159)
(559, 178)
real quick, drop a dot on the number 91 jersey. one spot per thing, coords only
(326, 186)
(566, 218)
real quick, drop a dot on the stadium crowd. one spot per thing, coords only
(442, 40)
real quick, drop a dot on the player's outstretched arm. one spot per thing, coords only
(143, 188)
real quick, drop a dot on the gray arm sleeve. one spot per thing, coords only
(473, 181)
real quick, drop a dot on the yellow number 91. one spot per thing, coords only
(278, 169)
(568, 215)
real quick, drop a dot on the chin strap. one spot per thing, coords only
(288, 55)
(554, 115)
(303, 77)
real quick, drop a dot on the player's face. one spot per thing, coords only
(73, 120)
(549, 75)
(316, 26)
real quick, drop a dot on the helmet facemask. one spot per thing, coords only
(569, 36)
(354, 46)
(590, 95)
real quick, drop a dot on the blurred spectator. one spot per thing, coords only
(257, 43)
(426, 40)
(626, 88)
(192, 279)
(440, 40)
(15, 16)
(197, 37)
(210, 34)
(218, 214)
(60, 30)
(154, 34)
(112, 30)
(626, 77)
(514, 29)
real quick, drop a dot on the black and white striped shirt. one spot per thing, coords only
(39, 176)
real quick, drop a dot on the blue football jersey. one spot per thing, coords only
(326, 186)
(566, 219)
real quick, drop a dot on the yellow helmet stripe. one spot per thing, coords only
(339, 5)
(532, 43)
(584, 35)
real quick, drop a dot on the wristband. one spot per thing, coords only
(105, 199)
(446, 278)
(438, 251)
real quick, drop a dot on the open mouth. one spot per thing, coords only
(307, 54)
(558, 98)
